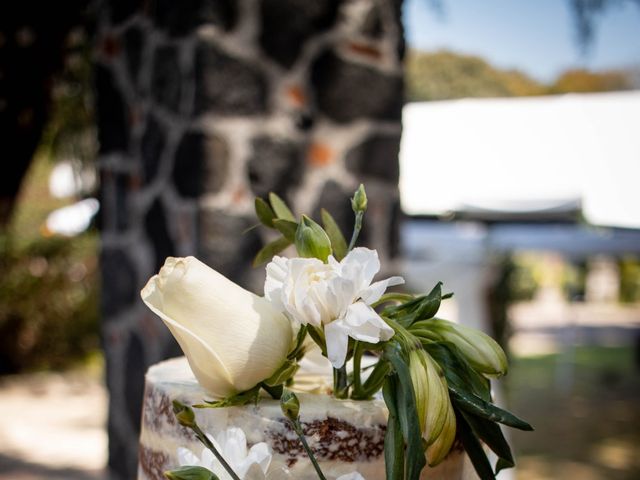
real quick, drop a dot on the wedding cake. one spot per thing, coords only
(410, 396)
(345, 435)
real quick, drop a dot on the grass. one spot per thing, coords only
(584, 406)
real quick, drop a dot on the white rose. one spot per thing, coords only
(232, 338)
(336, 296)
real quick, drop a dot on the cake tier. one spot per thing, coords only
(345, 435)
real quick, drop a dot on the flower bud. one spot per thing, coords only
(184, 414)
(359, 200)
(219, 326)
(481, 351)
(290, 405)
(311, 240)
(432, 395)
(438, 450)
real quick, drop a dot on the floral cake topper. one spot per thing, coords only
(434, 374)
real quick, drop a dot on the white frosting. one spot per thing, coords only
(264, 422)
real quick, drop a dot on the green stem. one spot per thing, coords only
(402, 335)
(393, 297)
(275, 392)
(357, 360)
(374, 381)
(297, 427)
(340, 388)
(356, 230)
(207, 443)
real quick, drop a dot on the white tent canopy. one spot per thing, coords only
(521, 153)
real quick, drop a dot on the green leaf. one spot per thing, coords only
(430, 306)
(407, 412)
(280, 208)
(275, 391)
(474, 450)
(267, 252)
(419, 308)
(393, 440)
(298, 351)
(264, 212)
(490, 433)
(475, 405)
(286, 228)
(317, 334)
(375, 380)
(458, 372)
(403, 308)
(241, 398)
(284, 373)
(393, 297)
(190, 473)
(427, 308)
(338, 242)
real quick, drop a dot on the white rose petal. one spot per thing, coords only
(232, 338)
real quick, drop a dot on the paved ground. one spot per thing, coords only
(52, 427)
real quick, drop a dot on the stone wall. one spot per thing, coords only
(204, 104)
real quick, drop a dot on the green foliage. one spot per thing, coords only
(629, 279)
(584, 81)
(70, 131)
(310, 239)
(267, 252)
(190, 473)
(338, 242)
(48, 302)
(446, 75)
(407, 414)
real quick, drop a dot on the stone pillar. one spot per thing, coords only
(203, 105)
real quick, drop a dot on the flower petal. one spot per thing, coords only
(234, 445)
(360, 265)
(260, 454)
(337, 342)
(187, 457)
(220, 326)
(351, 476)
(274, 282)
(363, 323)
(374, 291)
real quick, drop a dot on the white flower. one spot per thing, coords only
(232, 445)
(336, 295)
(351, 476)
(232, 338)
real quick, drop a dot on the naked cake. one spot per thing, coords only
(345, 435)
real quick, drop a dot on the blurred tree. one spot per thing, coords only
(32, 45)
(442, 75)
(48, 302)
(581, 80)
(445, 75)
(586, 13)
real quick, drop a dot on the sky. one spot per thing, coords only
(535, 36)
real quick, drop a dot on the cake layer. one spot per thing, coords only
(345, 435)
